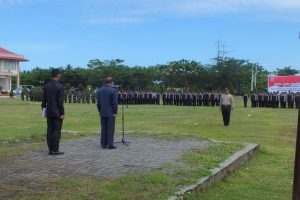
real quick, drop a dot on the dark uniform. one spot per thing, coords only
(212, 99)
(206, 99)
(88, 97)
(53, 100)
(70, 97)
(297, 100)
(199, 99)
(65, 97)
(253, 100)
(74, 97)
(273, 100)
(283, 100)
(107, 104)
(266, 100)
(245, 98)
(93, 97)
(290, 100)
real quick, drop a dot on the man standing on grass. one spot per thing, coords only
(53, 102)
(245, 98)
(226, 106)
(107, 104)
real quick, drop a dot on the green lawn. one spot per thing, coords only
(267, 176)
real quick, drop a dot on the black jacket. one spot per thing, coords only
(53, 99)
(107, 101)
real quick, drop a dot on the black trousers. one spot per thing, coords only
(53, 133)
(290, 104)
(282, 104)
(245, 104)
(226, 110)
(107, 131)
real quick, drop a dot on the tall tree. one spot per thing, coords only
(286, 71)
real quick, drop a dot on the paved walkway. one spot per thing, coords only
(84, 158)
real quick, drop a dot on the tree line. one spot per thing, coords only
(187, 75)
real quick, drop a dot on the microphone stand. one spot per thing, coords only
(124, 142)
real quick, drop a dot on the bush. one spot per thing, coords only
(81, 87)
(37, 89)
(11, 93)
(67, 86)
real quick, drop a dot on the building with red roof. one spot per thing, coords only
(9, 67)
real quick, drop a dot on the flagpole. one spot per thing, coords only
(296, 188)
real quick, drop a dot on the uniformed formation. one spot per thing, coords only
(275, 100)
(126, 97)
(138, 97)
(262, 99)
(80, 97)
(191, 99)
(69, 97)
(31, 95)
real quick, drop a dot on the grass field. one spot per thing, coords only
(267, 176)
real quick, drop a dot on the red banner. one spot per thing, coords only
(284, 84)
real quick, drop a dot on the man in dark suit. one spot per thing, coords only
(53, 102)
(107, 104)
(245, 98)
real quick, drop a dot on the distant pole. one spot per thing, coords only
(255, 76)
(252, 79)
(296, 188)
(296, 191)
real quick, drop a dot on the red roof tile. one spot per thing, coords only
(7, 55)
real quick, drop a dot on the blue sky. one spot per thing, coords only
(53, 33)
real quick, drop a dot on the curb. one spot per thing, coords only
(227, 167)
(70, 132)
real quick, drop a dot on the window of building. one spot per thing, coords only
(10, 65)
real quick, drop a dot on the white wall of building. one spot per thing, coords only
(8, 69)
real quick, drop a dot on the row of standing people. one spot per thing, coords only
(191, 99)
(262, 99)
(141, 97)
(80, 97)
(138, 97)
(275, 100)
(30, 95)
(126, 97)
(69, 97)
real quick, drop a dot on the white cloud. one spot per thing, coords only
(99, 12)
(37, 47)
(197, 5)
(141, 9)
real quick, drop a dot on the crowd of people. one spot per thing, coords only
(138, 97)
(107, 99)
(274, 100)
(192, 99)
(69, 97)
(212, 98)
(124, 97)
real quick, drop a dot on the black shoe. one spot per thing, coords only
(103, 147)
(111, 147)
(50, 153)
(58, 152)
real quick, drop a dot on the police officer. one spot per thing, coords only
(226, 106)
(93, 97)
(297, 100)
(245, 98)
(290, 100)
(70, 97)
(283, 99)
